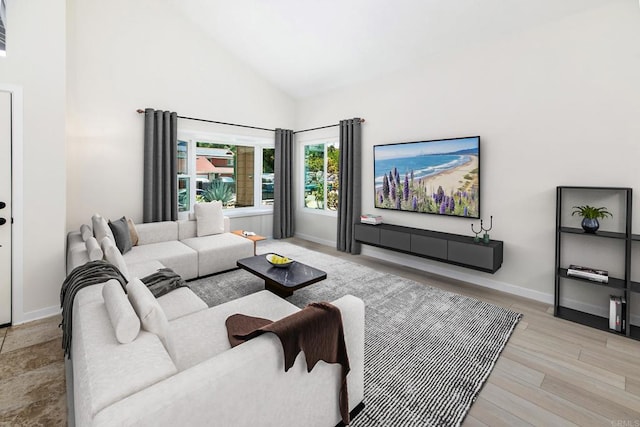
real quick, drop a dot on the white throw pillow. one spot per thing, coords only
(124, 319)
(85, 232)
(112, 254)
(148, 309)
(101, 228)
(93, 249)
(209, 218)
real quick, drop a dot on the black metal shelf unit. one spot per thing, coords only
(623, 286)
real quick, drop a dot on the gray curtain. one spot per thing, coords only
(349, 185)
(160, 194)
(283, 185)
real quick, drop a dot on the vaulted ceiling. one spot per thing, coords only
(306, 47)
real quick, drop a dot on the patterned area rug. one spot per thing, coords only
(427, 351)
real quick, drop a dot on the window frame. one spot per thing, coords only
(258, 143)
(301, 161)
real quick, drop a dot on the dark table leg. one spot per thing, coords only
(277, 289)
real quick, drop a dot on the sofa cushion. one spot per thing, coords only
(86, 232)
(124, 320)
(180, 302)
(219, 252)
(93, 249)
(143, 268)
(155, 232)
(120, 230)
(101, 228)
(133, 233)
(209, 218)
(172, 254)
(113, 255)
(189, 228)
(201, 335)
(146, 306)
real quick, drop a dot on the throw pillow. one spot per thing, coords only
(113, 255)
(133, 232)
(93, 248)
(120, 230)
(85, 232)
(209, 218)
(148, 309)
(124, 319)
(101, 228)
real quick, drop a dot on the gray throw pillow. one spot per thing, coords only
(120, 230)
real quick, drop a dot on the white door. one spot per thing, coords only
(5, 208)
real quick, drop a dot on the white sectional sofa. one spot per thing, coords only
(189, 375)
(173, 244)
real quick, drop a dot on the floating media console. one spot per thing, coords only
(445, 247)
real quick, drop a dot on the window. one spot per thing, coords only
(321, 176)
(224, 168)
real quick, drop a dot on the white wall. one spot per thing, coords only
(557, 105)
(127, 55)
(35, 62)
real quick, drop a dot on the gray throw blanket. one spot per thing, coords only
(163, 281)
(84, 275)
(93, 272)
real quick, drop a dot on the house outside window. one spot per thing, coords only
(320, 176)
(224, 168)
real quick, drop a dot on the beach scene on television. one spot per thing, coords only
(438, 177)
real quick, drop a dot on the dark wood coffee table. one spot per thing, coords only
(282, 281)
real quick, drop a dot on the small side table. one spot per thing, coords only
(255, 238)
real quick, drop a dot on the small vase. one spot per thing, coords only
(590, 225)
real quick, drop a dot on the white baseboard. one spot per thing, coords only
(30, 316)
(474, 278)
(331, 243)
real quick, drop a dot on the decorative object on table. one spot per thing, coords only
(278, 260)
(593, 274)
(370, 219)
(590, 216)
(485, 237)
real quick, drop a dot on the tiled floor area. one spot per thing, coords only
(32, 384)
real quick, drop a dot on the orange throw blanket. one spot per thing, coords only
(316, 330)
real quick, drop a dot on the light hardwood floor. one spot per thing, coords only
(551, 373)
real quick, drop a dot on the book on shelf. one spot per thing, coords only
(370, 219)
(617, 313)
(596, 275)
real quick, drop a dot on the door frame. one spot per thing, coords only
(17, 202)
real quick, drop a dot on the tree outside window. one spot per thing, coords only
(321, 170)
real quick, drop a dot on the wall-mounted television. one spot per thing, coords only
(439, 177)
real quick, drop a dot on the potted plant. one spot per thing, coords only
(590, 216)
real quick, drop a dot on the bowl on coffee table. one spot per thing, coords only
(279, 261)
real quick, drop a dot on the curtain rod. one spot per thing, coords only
(322, 127)
(140, 111)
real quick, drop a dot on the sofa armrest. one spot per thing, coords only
(248, 383)
(154, 232)
(227, 224)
